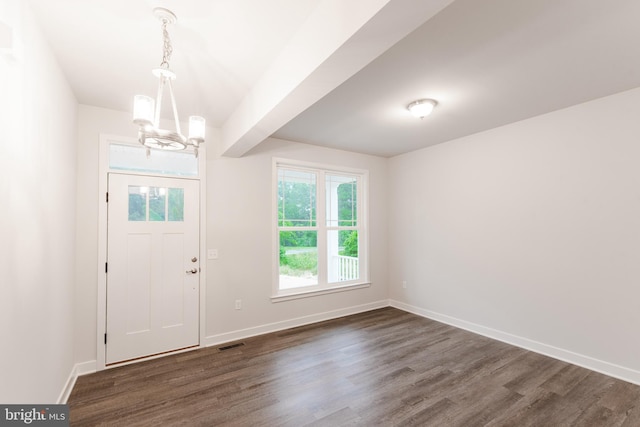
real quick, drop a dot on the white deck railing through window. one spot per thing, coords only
(348, 268)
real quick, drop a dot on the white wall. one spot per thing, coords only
(37, 230)
(530, 232)
(91, 122)
(238, 225)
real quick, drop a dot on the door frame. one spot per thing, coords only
(103, 171)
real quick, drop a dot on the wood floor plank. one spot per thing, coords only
(380, 368)
(632, 417)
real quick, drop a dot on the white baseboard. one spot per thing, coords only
(85, 368)
(77, 370)
(90, 366)
(241, 334)
(68, 386)
(606, 368)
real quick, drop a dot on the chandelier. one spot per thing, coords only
(146, 112)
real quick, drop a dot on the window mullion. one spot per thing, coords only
(290, 228)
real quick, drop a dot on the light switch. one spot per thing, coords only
(212, 254)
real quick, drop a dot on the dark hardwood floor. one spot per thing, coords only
(384, 367)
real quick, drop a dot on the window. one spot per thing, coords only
(135, 159)
(320, 228)
(160, 207)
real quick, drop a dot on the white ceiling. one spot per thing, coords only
(107, 48)
(488, 63)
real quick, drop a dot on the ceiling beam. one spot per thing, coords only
(338, 39)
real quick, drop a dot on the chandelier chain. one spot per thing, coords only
(167, 48)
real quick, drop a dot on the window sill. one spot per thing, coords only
(297, 294)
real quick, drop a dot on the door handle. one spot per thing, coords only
(192, 271)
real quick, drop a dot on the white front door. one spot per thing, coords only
(153, 266)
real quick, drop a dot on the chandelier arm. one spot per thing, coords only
(156, 119)
(175, 109)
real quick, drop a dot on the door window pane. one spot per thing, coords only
(176, 204)
(138, 203)
(157, 203)
(298, 259)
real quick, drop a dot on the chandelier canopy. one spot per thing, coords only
(146, 112)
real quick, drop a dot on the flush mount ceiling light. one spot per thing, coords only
(147, 115)
(422, 107)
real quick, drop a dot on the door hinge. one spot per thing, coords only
(106, 267)
(105, 338)
(107, 196)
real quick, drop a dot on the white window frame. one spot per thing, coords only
(322, 287)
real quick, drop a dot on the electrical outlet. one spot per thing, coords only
(404, 284)
(238, 304)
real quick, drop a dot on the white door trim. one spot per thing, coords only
(103, 170)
